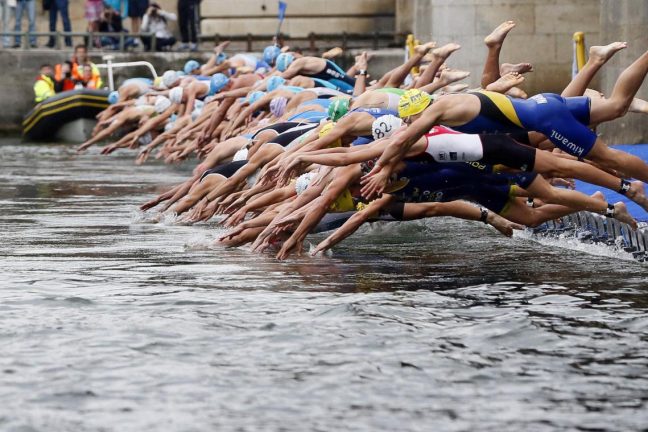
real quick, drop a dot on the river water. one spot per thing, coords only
(112, 323)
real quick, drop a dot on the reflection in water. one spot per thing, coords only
(110, 322)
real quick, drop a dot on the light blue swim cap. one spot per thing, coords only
(191, 66)
(270, 53)
(255, 96)
(274, 82)
(113, 97)
(217, 82)
(284, 60)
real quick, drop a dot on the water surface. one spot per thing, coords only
(110, 323)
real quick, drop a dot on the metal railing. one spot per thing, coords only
(109, 66)
(88, 37)
(312, 42)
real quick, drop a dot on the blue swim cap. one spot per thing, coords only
(284, 60)
(217, 82)
(113, 97)
(270, 53)
(255, 96)
(274, 82)
(220, 58)
(191, 66)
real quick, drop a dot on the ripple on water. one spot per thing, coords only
(116, 319)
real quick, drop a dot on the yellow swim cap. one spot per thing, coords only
(343, 203)
(328, 127)
(413, 102)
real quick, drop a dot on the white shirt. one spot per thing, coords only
(157, 25)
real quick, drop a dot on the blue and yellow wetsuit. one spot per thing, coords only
(563, 120)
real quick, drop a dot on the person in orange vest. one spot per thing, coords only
(79, 59)
(44, 85)
(89, 80)
(63, 77)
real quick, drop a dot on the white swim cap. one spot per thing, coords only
(303, 181)
(175, 95)
(385, 126)
(195, 114)
(141, 101)
(169, 78)
(169, 126)
(161, 104)
(240, 155)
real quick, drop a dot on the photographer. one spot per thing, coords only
(111, 22)
(155, 21)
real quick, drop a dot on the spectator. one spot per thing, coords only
(111, 22)
(136, 10)
(120, 6)
(79, 59)
(155, 21)
(30, 7)
(187, 21)
(63, 77)
(44, 85)
(93, 11)
(8, 12)
(59, 7)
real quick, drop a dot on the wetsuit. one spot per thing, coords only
(227, 170)
(393, 95)
(333, 74)
(562, 120)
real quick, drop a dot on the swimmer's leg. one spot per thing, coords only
(624, 91)
(494, 41)
(620, 161)
(598, 56)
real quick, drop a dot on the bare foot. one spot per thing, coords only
(221, 46)
(598, 195)
(637, 193)
(517, 92)
(332, 53)
(603, 53)
(445, 51)
(519, 68)
(448, 76)
(496, 38)
(423, 49)
(638, 106)
(502, 225)
(621, 214)
(506, 82)
(455, 88)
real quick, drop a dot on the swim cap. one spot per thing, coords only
(217, 82)
(278, 106)
(326, 129)
(240, 155)
(195, 114)
(169, 126)
(141, 101)
(220, 58)
(284, 60)
(161, 104)
(385, 126)
(339, 106)
(413, 102)
(146, 139)
(303, 181)
(157, 82)
(270, 53)
(274, 82)
(175, 95)
(255, 96)
(191, 66)
(113, 97)
(198, 104)
(169, 78)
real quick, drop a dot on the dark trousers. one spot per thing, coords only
(188, 20)
(160, 43)
(60, 7)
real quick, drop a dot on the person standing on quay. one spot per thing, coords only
(136, 10)
(30, 7)
(59, 7)
(187, 21)
(8, 12)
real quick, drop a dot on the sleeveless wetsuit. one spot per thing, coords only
(227, 170)
(563, 120)
(393, 95)
(333, 74)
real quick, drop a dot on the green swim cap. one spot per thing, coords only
(339, 106)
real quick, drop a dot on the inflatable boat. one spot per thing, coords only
(69, 116)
